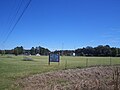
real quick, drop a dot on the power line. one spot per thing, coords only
(17, 11)
(17, 21)
(10, 12)
(11, 19)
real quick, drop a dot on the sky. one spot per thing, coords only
(60, 24)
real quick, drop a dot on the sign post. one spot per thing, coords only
(54, 57)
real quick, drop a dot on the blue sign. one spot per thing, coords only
(54, 57)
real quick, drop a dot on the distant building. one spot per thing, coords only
(73, 54)
(38, 54)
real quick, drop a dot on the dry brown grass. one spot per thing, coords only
(94, 78)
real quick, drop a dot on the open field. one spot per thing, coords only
(13, 67)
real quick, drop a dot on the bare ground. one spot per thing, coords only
(94, 78)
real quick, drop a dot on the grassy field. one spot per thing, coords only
(13, 67)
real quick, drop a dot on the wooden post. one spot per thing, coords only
(59, 59)
(87, 62)
(110, 60)
(65, 64)
(49, 60)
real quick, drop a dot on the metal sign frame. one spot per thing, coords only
(54, 57)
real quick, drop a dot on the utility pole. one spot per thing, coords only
(62, 49)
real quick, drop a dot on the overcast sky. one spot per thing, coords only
(61, 24)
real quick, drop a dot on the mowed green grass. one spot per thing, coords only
(13, 68)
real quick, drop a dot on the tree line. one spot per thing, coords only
(20, 51)
(92, 51)
(85, 51)
(98, 51)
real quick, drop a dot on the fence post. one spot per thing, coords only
(65, 64)
(49, 60)
(87, 62)
(110, 60)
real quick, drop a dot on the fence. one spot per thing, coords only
(79, 62)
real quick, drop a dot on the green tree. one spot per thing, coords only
(18, 50)
(32, 51)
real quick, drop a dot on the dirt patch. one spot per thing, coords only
(94, 78)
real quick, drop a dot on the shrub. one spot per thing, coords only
(27, 59)
(9, 56)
